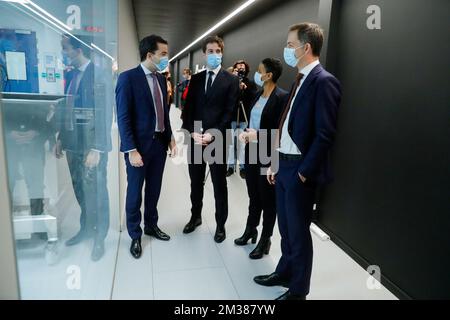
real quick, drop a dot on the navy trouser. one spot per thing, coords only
(152, 174)
(295, 201)
(91, 191)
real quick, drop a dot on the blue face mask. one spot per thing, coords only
(290, 58)
(258, 79)
(66, 60)
(163, 63)
(214, 60)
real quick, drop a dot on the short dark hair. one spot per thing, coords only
(273, 66)
(213, 39)
(150, 44)
(310, 33)
(247, 66)
(75, 42)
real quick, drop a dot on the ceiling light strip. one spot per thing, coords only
(216, 26)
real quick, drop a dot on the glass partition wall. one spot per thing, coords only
(57, 76)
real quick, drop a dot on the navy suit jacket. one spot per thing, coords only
(312, 123)
(136, 116)
(94, 132)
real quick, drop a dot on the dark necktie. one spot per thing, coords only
(158, 103)
(210, 78)
(288, 106)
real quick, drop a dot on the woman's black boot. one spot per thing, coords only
(248, 234)
(261, 249)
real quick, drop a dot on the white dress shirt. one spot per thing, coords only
(287, 145)
(214, 76)
(150, 80)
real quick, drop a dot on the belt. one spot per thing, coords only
(290, 157)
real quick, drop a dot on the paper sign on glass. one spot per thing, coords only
(16, 66)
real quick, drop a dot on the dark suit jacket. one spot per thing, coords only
(215, 108)
(136, 116)
(94, 130)
(270, 117)
(312, 123)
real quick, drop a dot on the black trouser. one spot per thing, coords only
(262, 199)
(219, 181)
(91, 191)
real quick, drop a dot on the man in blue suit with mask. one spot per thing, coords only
(146, 134)
(306, 134)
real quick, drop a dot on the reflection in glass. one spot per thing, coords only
(61, 145)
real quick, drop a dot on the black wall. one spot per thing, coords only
(389, 205)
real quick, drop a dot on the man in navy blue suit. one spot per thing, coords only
(85, 136)
(306, 135)
(146, 134)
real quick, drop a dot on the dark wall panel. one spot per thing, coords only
(389, 204)
(265, 36)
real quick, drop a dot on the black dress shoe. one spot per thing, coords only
(220, 235)
(271, 280)
(192, 225)
(289, 296)
(230, 172)
(249, 233)
(98, 251)
(155, 232)
(261, 249)
(80, 236)
(136, 248)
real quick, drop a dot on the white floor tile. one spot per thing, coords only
(193, 251)
(198, 284)
(134, 277)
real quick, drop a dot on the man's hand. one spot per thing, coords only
(58, 150)
(270, 176)
(197, 137)
(92, 159)
(135, 159)
(302, 178)
(173, 149)
(243, 86)
(207, 138)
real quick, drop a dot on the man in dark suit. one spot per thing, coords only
(307, 130)
(146, 134)
(85, 136)
(211, 100)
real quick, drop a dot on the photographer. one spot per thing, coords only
(248, 91)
